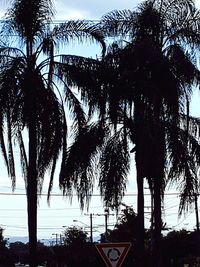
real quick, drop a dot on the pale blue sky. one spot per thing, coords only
(61, 213)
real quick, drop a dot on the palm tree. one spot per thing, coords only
(101, 151)
(146, 86)
(30, 97)
(163, 36)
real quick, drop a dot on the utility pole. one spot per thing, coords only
(196, 211)
(105, 214)
(106, 221)
(61, 239)
(56, 238)
(91, 226)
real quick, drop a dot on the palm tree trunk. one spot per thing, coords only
(32, 221)
(140, 220)
(138, 114)
(157, 245)
(32, 184)
(158, 180)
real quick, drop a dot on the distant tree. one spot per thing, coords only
(75, 236)
(44, 254)
(125, 229)
(77, 250)
(19, 252)
(179, 245)
(5, 257)
(3, 241)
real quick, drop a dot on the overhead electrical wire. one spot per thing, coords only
(92, 195)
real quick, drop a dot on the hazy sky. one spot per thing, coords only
(87, 9)
(51, 220)
(90, 9)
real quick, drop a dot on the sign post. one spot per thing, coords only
(113, 254)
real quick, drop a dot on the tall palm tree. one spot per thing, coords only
(150, 82)
(30, 95)
(163, 38)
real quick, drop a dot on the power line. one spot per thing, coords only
(25, 227)
(92, 195)
(168, 208)
(60, 21)
(51, 209)
(183, 219)
(171, 214)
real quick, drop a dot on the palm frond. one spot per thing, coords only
(3, 147)
(119, 22)
(183, 66)
(50, 129)
(87, 75)
(80, 72)
(23, 156)
(10, 151)
(184, 155)
(188, 189)
(64, 157)
(182, 19)
(76, 109)
(114, 166)
(51, 179)
(28, 18)
(80, 170)
(80, 30)
(7, 53)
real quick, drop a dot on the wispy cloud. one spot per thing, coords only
(89, 9)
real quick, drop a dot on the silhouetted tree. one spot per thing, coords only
(143, 89)
(125, 229)
(5, 256)
(74, 236)
(77, 249)
(19, 252)
(127, 113)
(180, 246)
(29, 95)
(2, 240)
(160, 71)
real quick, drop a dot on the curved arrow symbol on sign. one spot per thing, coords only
(113, 254)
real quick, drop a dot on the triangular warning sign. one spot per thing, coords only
(113, 254)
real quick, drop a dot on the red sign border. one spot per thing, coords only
(125, 245)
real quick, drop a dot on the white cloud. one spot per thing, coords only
(90, 9)
(63, 13)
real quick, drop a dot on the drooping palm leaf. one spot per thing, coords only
(80, 30)
(114, 166)
(80, 170)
